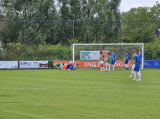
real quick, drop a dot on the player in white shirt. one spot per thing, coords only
(133, 65)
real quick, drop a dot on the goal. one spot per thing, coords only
(90, 51)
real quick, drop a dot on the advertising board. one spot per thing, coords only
(91, 64)
(152, 63)
(89, 55)
(33, 64)
(92, 55)
(8, 64)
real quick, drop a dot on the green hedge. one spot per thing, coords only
(152, 50)
(16, 51)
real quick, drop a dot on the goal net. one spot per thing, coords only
(88, 55)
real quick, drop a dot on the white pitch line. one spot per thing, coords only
(78, 87)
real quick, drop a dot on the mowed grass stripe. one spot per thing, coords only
(86, 93)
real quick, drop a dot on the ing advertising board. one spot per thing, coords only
(91, 64)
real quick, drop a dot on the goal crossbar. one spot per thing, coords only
(108, 44)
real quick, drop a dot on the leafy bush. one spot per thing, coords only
(16, 51)
(13, 51)
(152, 50)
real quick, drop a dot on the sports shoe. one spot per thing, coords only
(106, 71)
(138, 80)
(134, 79)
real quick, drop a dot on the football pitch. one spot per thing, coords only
(79, 94)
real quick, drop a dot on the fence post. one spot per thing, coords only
(73, 31)
(0, 53)
(120, 39)
(49, 54)
(25, 37)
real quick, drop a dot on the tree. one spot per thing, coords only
(155, 12)
(152, 50)
(137, 27)
(87, 10)
(37, 31)
(106, 10)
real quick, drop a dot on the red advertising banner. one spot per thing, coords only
(92, 64)
(105, 53)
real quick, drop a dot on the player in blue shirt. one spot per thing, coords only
(137, 61)
(113, 60)
(126, 60)
(140, 57)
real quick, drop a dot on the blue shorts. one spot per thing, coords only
(126, 62)
(71, 67)
(113, 62)
(136, 68)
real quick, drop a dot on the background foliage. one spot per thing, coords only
(15, 51)
(29, 23)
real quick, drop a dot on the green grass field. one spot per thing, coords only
(79, 94)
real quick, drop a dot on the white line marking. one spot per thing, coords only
(79, 87)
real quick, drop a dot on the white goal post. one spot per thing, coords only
(139, 45)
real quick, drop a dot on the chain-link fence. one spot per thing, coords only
(51, 39)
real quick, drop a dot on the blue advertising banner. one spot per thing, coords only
(152, 63)
(8, 64)
(89, 55)
(92, 55)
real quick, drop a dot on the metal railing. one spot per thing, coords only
(33, 35)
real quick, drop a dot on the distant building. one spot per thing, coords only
(157, 31)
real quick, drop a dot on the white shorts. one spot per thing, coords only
(133, 66)
(102, 62)
(107, 64)
(60, 67)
